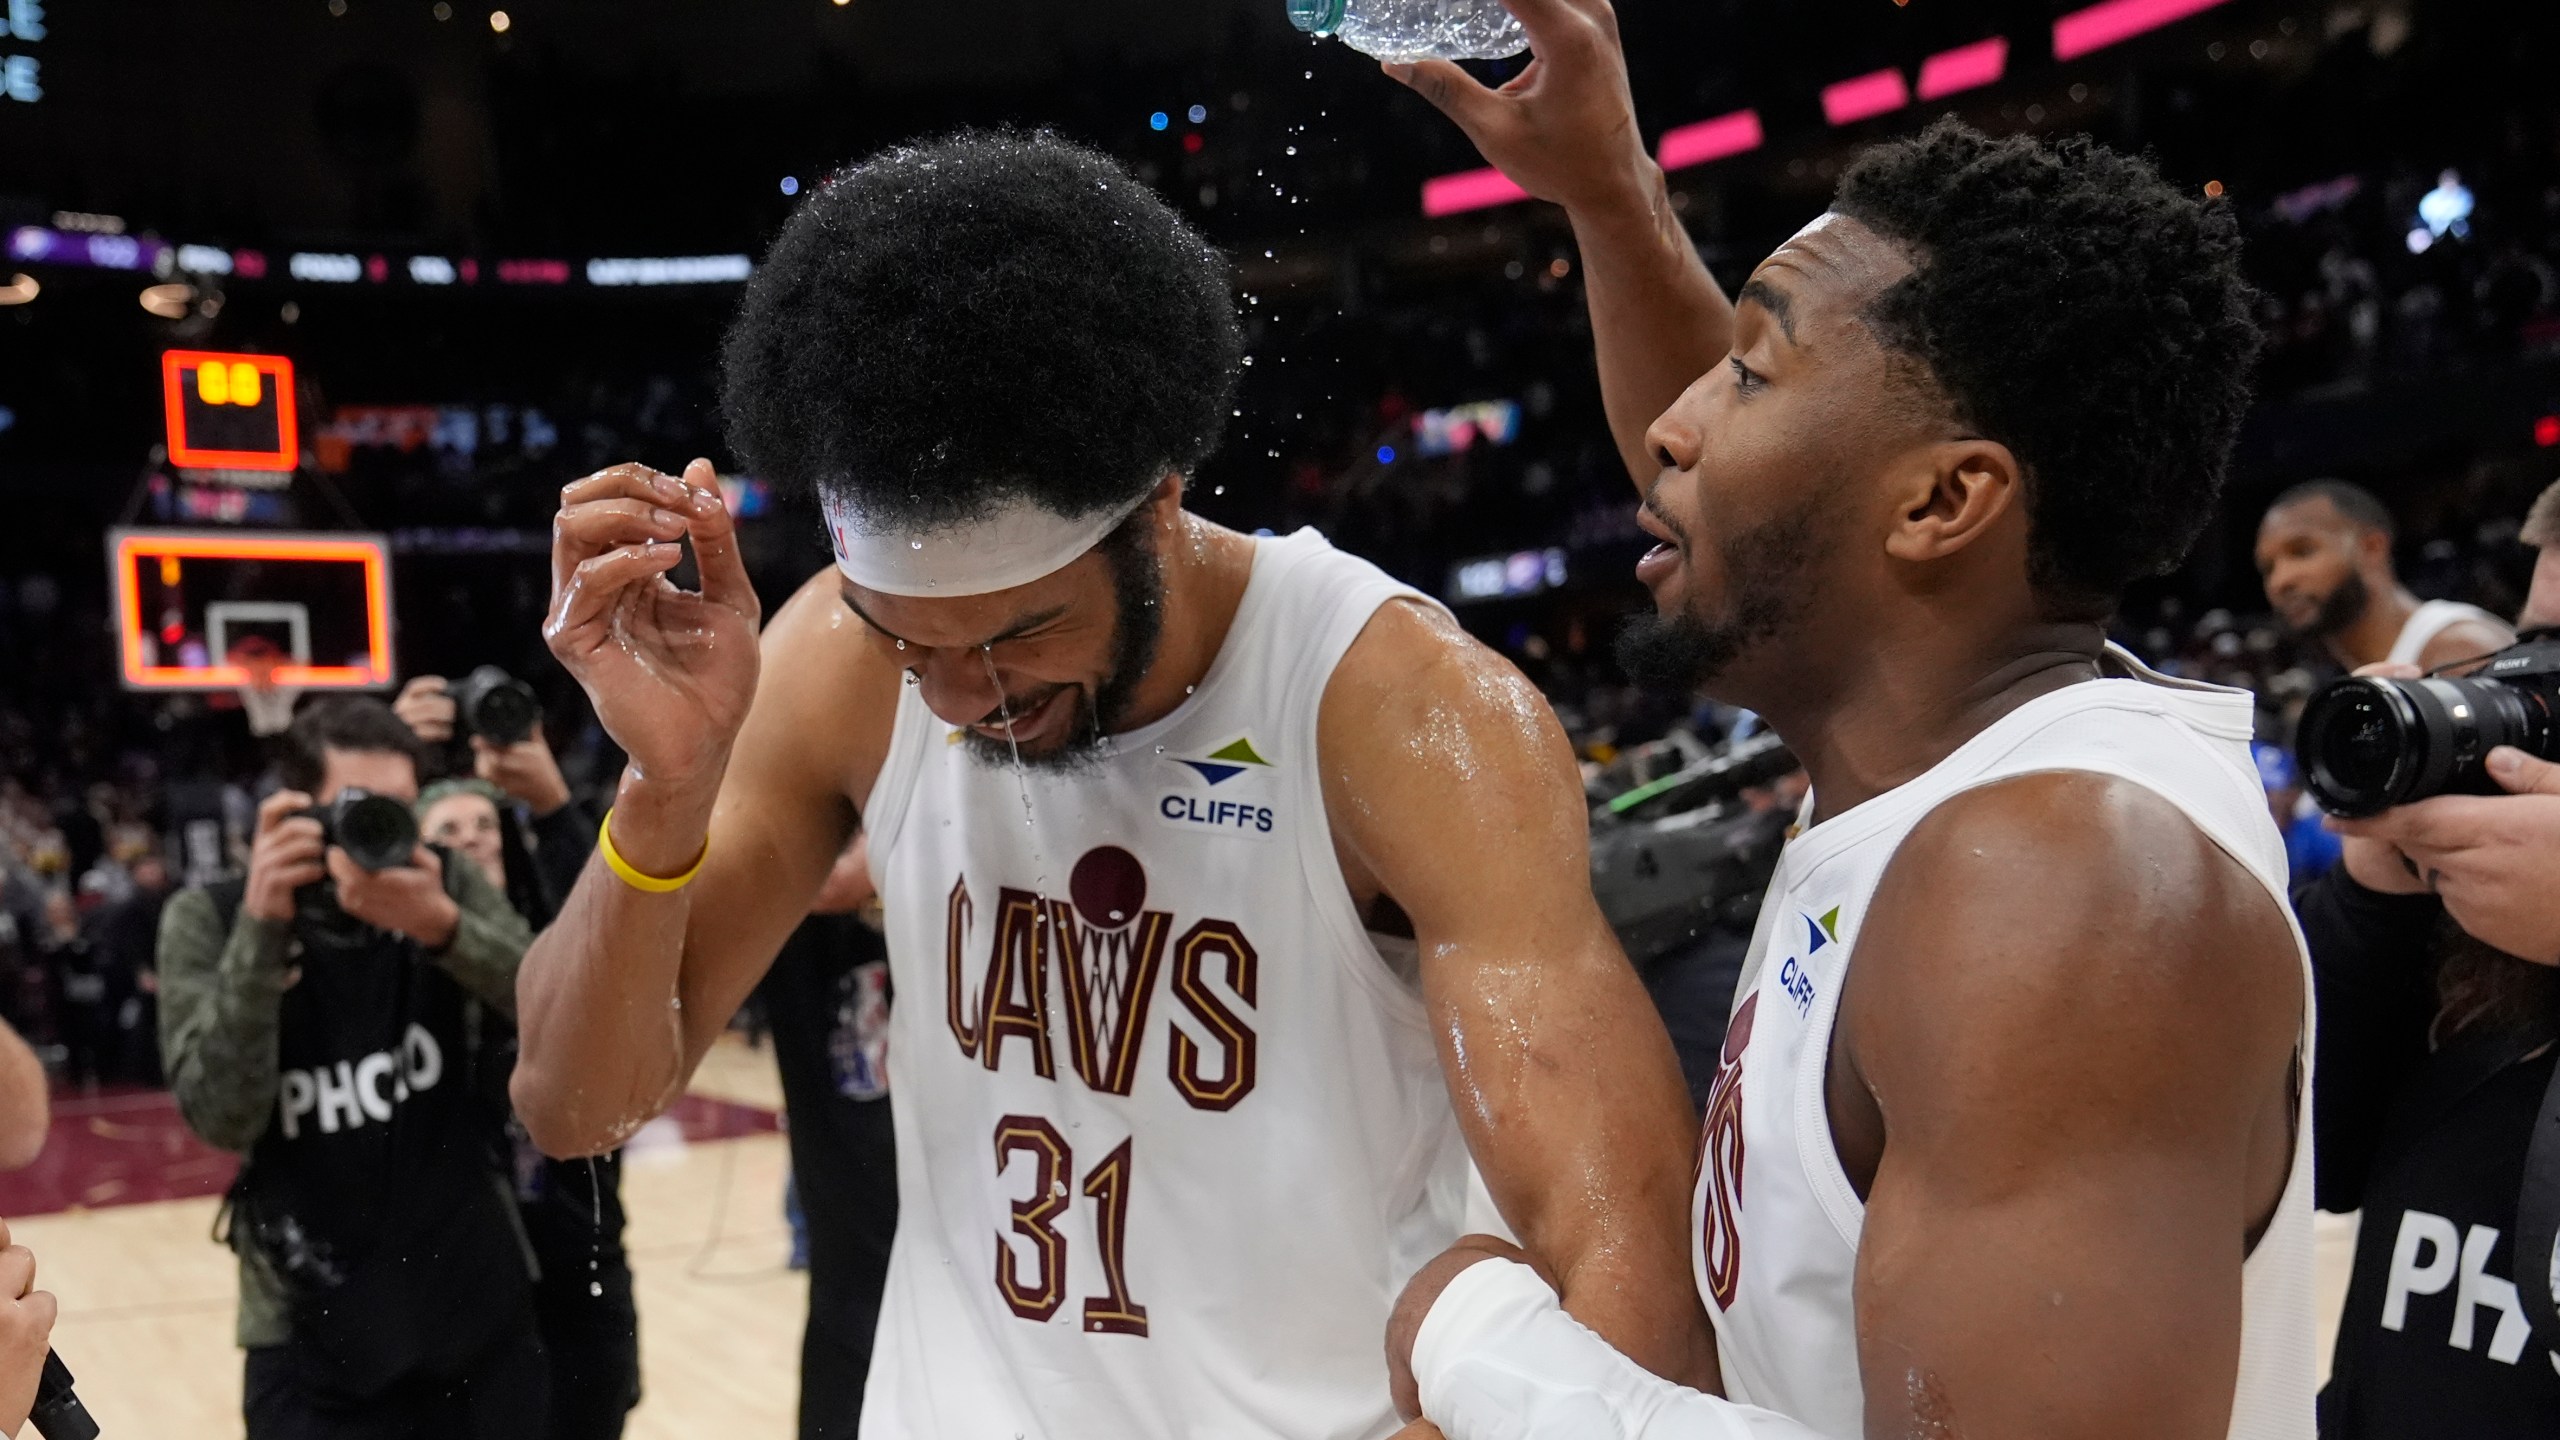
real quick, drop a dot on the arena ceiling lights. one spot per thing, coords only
(1855, 99)
(141, 254)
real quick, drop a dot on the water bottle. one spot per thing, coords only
(1402, 31)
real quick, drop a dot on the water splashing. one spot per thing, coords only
(1004, 704)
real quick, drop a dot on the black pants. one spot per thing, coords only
(501, 1395)
(594, 1345)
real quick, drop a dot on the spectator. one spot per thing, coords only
(126, 932)
(2324, 550)
(77, 990)
(315, 1017)
(827, 996)
(571, 1209)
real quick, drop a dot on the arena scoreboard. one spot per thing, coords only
(229, 412)
(198, 609)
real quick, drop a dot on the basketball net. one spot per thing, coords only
(268, 705)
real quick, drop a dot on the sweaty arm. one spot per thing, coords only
(624, 993)
(1452, 787)
(2063, 1065)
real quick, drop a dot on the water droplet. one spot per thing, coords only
(1159, 749)
(596, 1288)
(912, 681)
(1292, 150)
(915, 544)
(1187, 689)
(1218, 490)
(902, 644)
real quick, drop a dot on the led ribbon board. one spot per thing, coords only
(229, 412)
(188, 601)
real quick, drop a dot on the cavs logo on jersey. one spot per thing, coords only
(1720, 1162)
(1107, 949)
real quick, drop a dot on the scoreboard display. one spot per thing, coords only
(229, 412)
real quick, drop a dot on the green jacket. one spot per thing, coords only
(219, 1018)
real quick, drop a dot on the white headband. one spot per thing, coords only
(1014, 544)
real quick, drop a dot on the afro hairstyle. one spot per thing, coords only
(986, 317)
(2075, 307)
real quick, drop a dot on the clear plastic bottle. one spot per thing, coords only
(1402, 31)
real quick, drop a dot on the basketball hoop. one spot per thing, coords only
(268, 705)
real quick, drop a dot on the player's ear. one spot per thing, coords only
(1950, 493)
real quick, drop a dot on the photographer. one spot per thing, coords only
(519, 824)
(502, 721)
(2433, 949)
(315, 1017)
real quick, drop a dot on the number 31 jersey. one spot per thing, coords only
(1171, 1133)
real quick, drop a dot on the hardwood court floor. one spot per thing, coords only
(147, 1296)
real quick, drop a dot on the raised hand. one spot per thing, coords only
(1564, 129)
(671, 671)
(426, 707)
(284, 857)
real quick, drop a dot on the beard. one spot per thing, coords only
(1764, 569)
(2344, 607)
(1137, 591)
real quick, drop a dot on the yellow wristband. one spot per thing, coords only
(631, 876)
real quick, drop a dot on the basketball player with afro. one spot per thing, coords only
(2008, 1140)
(1214, 867)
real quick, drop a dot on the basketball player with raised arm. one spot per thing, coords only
(2008, 1141)
(1213, 867)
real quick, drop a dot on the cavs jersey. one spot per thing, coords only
(1171, 1133)
(1776, 1221)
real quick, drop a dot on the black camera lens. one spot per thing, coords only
(2356, 743)
(2369, 744)
(497, 706)
(376, 831)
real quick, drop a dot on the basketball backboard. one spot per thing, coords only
(315, 608)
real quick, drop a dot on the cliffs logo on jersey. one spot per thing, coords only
(1104, 949)
(1229, 797)
(1793, 977)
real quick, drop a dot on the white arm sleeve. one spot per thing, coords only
(1499, 1359)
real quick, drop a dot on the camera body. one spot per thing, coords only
(2369, 744)
(378, 833)
(496, 706)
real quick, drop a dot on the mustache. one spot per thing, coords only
(1679, 532)
(1014, 707)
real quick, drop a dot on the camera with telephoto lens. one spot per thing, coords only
(2368, 744)
(378, 833)
(496, 706)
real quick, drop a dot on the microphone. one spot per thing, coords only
(58, 1414)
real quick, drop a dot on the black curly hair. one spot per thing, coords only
(2080, 310)
(987, 316)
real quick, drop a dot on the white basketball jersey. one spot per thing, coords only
(1171, 1134)
(2429, 620)
(1775, 1219)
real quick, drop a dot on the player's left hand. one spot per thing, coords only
(1404, 1324)
(2491, 858)
(406, 899)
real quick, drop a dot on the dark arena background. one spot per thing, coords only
(441, 259)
